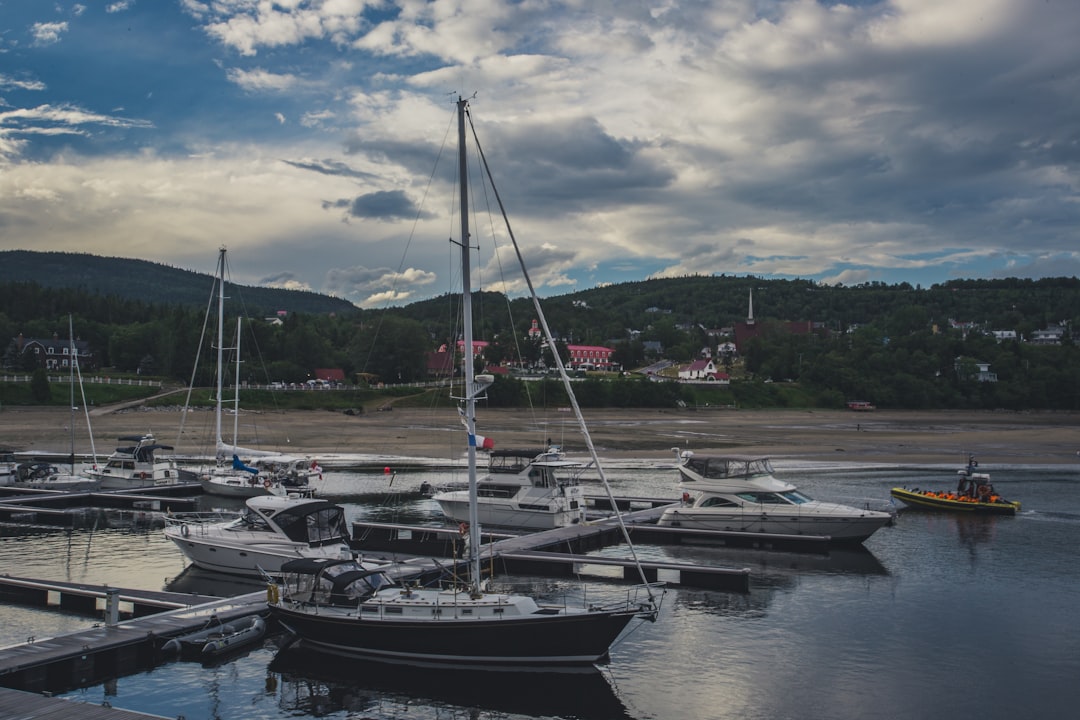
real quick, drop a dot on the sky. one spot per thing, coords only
(890, 141)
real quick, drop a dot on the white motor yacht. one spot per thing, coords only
(271, 530)
(134, 466)
(522, 490)
(740, 494)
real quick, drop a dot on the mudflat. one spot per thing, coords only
(880, 436)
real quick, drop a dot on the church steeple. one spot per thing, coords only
(750, 315)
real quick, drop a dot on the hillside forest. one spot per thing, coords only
(896, 346)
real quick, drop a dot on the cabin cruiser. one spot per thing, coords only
(44, 476)
(134, 466)
(523, 490)
(740, 494)
(270, 531)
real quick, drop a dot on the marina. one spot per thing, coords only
(850, 596)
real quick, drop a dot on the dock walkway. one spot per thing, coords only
(32, 706)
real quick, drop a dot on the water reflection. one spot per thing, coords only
(313, 685)
(197, 581)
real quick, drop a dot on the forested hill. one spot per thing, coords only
(149, 282)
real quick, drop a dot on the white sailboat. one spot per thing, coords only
(44, 476)
(232, 476)
(339, 607)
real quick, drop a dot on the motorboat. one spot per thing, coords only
(137, 464)
(523, 490)
(341, 608)
(45, 476)
(269, 473)
(269, 532)
(741, 494)
(216, 638)
(974, 494)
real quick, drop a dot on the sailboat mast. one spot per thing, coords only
(220, 348)
(467, 351)
(71, 387)
(236, 391)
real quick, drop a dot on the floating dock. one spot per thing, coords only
(32, 706)
(65, 509)
(114, 647)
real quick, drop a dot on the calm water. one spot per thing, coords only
(939, 617)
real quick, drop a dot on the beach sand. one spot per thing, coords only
(880, 436)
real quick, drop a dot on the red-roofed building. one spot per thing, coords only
(333, 375)
(590, 357)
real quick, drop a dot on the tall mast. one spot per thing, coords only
(71, 386)
(236, 390)
(467, 351)
(220, 349)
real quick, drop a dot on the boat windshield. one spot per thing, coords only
(795, 497)
(333, 582)
(765, 498)
(314, 524)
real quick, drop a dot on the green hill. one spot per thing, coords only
(149, 282)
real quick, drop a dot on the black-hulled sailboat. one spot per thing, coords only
(344, 608)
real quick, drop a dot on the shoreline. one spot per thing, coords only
(835, 436)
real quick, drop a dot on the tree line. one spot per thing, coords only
(892, 345)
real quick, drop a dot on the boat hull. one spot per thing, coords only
(839, 529)
(238, 558)
(922, 501)
(237, 487)
(535, 640)
(510, 515)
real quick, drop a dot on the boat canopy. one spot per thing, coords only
(324, 581)
(314, 523)
(724, 468)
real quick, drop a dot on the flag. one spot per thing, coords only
(481, 442)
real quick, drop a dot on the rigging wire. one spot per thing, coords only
(562, 369)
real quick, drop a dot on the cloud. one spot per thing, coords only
(372, 287)
(383, 205)
(285, 281)
(48, 33)
(259, 80)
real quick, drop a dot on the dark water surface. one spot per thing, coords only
(938, 616)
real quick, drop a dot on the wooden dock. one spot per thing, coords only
(64, 509)
(32, 706)
(112, 649)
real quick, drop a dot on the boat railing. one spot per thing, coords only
(199, 519)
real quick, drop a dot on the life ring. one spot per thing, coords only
(983, 491)
(463, 528)
(266, 483)
(142, 476)
(184, 530)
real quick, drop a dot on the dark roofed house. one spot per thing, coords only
(55, 353)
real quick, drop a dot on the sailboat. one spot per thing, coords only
(231, 476)
(44, 476)
(340, 607)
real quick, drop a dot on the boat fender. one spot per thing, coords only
(271, 593)
(185, 530)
